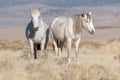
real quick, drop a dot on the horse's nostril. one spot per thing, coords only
(91, 32)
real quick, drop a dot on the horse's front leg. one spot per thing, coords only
(31, 47)
(35, 50)
(68, 49)
(42, 45)
(77, 49)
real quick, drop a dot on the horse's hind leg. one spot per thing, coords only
(77, 50)
(38, 46)
(55, 46)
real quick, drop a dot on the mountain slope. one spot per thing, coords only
(60, 3)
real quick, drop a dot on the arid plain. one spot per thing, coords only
(99, 57)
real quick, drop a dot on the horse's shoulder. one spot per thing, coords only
(29, 26)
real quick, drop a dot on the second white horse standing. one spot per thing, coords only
(68, 29)
(37, 32)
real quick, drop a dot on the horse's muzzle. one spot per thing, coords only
(92, 32)
(36, 28)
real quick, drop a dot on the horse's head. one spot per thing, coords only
(35, 15)
(88, 22)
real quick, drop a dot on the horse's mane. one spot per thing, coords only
(77, 23)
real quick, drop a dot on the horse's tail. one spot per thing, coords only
(51, 34)
(50, 31)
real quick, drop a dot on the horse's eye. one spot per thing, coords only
(32, 18)
(38, 17)
(87, 21)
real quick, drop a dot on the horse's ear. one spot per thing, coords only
(39, 8)
(30, 9)
(83, 14)
(89, 13)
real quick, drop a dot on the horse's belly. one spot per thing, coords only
(59, 34)
(59, 37)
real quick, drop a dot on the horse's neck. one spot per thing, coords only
(77, 24)
(40, 22)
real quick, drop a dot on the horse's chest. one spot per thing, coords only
(71, 34)
(39, 36)
(74, 36)
(77, 36)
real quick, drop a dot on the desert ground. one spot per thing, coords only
(99, 58)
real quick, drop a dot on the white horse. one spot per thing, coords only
(37, 32)
(69, 29)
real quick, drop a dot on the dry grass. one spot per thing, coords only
(97, 62)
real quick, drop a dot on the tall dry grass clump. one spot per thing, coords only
(97, 72)
(95, 45)
(73, 72)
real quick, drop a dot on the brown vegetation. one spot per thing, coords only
(98, 61)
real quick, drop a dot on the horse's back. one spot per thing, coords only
(57, 21)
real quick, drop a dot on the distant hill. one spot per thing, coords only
(17, 13)
(59, 3)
